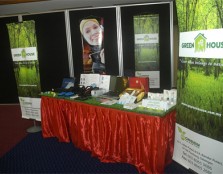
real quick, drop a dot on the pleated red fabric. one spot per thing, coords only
(112, 135)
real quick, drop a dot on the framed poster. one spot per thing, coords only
(147, 56)
(103, 55)
(146, 35)
(92, 32)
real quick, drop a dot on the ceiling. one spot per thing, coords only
(16, 7)
(6, 2)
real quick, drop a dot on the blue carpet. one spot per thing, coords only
(34, 154)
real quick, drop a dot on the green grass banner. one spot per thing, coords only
(23, 45)
(147, 56)
(200, 81)
(199, 128)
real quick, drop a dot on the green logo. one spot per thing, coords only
(22, 100)
(200, 43)
(182, 133)
(23, 53)
(146, 38)
(186, 139)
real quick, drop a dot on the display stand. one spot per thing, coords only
(34, 128)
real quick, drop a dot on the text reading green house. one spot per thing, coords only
(200, 43)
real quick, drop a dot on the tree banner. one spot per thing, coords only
(23, 45)
(147, 57)
(199, 123)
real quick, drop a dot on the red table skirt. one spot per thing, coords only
(112, 135)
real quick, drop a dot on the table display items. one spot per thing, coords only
(139, 83)
(117, 86)
(161, 101)
(90, 80)
(131, 95)
(110, 90)
(67, 85)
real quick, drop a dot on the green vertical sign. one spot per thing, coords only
(147, 53)
(23, 45)
(198, 134)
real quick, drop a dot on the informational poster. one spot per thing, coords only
(197, 152)
(147, 56)
(198, 134)
(92, 32)
(23, 44)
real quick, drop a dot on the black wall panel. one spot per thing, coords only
(8, 87)
(127, 14)
(52, 48)
(110, 38)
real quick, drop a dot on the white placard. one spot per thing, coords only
(146, 38)
(197, 152)
(24, 54)
(201, 44)
(30, 108)
(90, 80)
(104, 82)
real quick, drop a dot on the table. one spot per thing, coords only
(112, 135)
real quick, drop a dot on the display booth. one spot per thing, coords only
(60, 52)
(136, 40)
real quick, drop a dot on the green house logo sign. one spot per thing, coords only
(201, 44)
(186, 139)
(146, 38)
(23, 53)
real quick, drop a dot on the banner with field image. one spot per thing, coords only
(147, 57)
(199, 128)
(23, 45)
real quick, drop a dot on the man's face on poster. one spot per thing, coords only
(92, 33)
